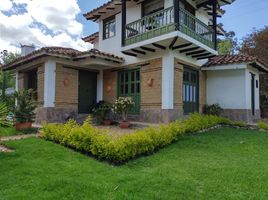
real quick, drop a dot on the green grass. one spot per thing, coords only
(221, 164)
(11, 131)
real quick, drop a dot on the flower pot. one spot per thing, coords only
(124, 124)
(107, 122)
(23, 125)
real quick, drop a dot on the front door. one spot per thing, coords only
(87, 93)
(129, 86)
(190, 91)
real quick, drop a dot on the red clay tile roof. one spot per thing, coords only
(91, 37)
(233, 59)
(61, 52)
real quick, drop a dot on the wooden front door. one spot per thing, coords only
(190, 91)
(87, 93)
(129, 86)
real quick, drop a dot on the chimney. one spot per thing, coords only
(27, 49)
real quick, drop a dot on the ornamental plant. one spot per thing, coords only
(122, 106)
(3, 115)
(25, 106)
(102, 110)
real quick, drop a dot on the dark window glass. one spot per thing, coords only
(137, 75)
(122, 89)
(132, 76)
(132, 88)
(109, 28)
(126, 88)
(138, 88)
(152, 6)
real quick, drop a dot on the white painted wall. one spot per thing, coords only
(231, 88)
(227, 88)
(168, 81)
(100, 86)
(49, 84)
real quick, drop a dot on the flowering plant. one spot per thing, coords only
(122, 106)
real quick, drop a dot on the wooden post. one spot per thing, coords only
(214, 14)
(177, 13)
(124, 21)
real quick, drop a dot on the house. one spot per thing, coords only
(150, 50)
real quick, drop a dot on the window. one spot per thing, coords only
(109, 27)
(152, 6)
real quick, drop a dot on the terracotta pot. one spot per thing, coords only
(107, 122)
(22, 126)
(124, 124)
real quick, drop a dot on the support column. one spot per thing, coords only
(168, 82)
(17, 81)
(124, 21)
(49, 84)
(100, 86)
(214, 14)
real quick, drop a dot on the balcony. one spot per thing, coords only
(162, 22)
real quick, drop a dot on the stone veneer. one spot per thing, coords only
(242, 115)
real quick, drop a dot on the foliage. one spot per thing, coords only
(263, 125)
(256, 44)
(214, 109)
(228, 45)
(11, 131)
(25, 106)
(7, 79)
(86, 138)
(122, 106)
(3, 115)
(102, 110)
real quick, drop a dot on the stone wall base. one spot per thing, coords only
(242, 115)
(55, 115)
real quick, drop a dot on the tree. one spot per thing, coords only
(229, 44)
(7, 79)
(256, 44)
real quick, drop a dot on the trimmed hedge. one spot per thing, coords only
(262, 125)
(88, 139)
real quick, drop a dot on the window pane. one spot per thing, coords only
(126, 88)
(126, 77)
(137, 75)
(133, 76)
(109, 28)
(138, 88)
(132, 88)
(122, 89)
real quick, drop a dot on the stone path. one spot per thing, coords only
(12, 138)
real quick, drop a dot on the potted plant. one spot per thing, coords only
(24, 110)
(122, 106)
(101, 112)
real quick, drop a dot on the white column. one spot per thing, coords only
(100, 86)
(168, 82)
(17, 81)
(49, 84)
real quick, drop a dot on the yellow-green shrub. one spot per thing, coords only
(86, 138)
(262, 125)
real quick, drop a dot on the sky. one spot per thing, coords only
(61, 22)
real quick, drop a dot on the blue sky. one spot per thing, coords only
(241, 17)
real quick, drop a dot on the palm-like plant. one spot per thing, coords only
(25, 106)
(3, 115)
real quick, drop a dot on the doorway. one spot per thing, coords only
(87, 92)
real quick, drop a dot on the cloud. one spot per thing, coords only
(5, 5)
(42, 23)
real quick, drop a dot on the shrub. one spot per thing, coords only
(101, 111)
(24, 109)
(214, 109)
(262, 125)
(88, 139)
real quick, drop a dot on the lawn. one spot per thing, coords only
(11, 131)
(221, 164)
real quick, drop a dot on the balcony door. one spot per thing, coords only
(190, 91)
(187, 15)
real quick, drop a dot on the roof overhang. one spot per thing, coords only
(76, 56)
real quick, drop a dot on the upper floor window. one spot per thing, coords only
(109, 27)
(152, 6)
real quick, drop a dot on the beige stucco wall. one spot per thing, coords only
(66, 87)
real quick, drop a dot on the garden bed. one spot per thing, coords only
(99, 143)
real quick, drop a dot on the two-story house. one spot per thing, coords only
(150, 50)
